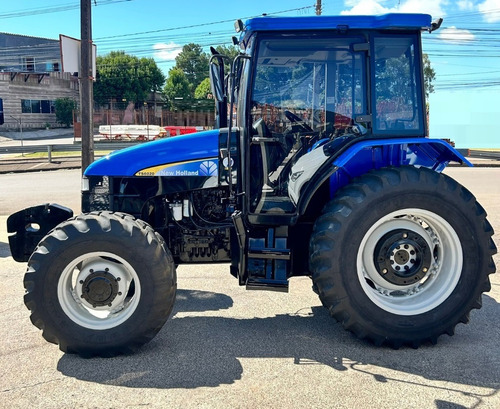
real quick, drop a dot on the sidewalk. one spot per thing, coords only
(40, 134)
(19, 164)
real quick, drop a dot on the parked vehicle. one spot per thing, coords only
(320, 166)
(132, 132)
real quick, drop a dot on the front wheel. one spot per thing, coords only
(100, 284)
(402, 255)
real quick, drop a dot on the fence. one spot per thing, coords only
(151, 116)
(147, 116)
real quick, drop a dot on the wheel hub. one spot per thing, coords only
(100, 288)
(402, 257)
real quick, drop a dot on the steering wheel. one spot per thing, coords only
(298, 121)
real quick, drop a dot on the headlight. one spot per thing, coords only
(85, 184)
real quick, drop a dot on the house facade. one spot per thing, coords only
(30, 82)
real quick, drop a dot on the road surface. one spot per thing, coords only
(225, 347)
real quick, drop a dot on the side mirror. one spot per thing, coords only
(217, 82)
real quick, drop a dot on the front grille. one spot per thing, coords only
(98, 197)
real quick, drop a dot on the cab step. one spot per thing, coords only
(268, 261)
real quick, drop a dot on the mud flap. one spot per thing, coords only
(31, 225)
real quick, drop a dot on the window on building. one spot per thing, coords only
(45, 105)
(52, 66)
(29, 64)
(1, 111)
(26, 106)
(37, 106)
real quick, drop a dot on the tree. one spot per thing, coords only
(230, 52)
(203, 90)
(429, 75)
(177, 89)
(64, 110)
(193, 62)
(124, 77)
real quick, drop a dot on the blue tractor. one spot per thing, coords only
(319, 166)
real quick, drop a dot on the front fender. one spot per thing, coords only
(31, 225)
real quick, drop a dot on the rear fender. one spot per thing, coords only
(366, 155)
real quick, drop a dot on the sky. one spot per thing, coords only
(464, 52)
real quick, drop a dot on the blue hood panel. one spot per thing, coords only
(176, 150)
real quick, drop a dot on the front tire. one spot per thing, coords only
(100, 284)
(402, 255)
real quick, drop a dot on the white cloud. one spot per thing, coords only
(166, 52)
(455, 35)
(433, 7)
(364, 7)
(465, 5)
(490, 10)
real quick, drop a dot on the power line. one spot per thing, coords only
(54, 9)
(199, 25)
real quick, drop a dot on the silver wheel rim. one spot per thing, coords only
(99, 290)
(433, 284)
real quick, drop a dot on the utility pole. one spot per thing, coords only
(318, 7)
(86, 84)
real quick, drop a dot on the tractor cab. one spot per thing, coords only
(301, 95)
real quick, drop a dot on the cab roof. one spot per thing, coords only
(391, 21)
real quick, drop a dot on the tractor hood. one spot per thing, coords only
(187, 155)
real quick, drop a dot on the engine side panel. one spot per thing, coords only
(188, 153)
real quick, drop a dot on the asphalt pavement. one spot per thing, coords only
(228, 348)
(225, 347)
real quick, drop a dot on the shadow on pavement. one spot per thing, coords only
(193, 352)
(4, 250)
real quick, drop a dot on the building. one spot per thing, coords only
(31, 80)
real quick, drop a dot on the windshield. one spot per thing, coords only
(320, 80)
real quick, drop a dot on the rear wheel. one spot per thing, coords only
(402, 255)
(100, 284)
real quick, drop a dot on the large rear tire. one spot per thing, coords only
(100, 284)
(402, 255)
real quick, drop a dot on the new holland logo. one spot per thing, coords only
(204, 167)
(208, 168)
